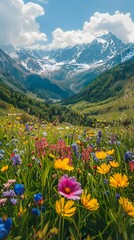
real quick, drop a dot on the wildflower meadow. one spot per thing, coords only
(66, 182)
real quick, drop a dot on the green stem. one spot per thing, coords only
(59, 234)
(62, 230)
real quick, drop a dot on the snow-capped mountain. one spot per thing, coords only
(75, 67)
(20, 79)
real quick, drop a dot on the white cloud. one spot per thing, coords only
(18, 27)
(121, 25)
(18, 24)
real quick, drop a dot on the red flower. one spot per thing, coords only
(131, 165)
(29, 164)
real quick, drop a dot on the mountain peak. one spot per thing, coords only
(108, 37)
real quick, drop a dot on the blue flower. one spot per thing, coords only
(99, 133)
(110, 158)
(128, 156)
(2, 151)
(15, 150)
(117, 195)
(19, 189)
(105, 181)
(37, 211)
(38, 198)
(5, 226)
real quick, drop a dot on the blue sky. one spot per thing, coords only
(41, 24)
(71, 14)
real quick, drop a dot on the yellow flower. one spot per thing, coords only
(114, 164)
(3, 169)
(18, 118)
(117, 180)
(65, 210)
(128, 207)
(20, 213)
(90, 204)
(104, 168)
(53, 231)
(110, 152)
(91, 133)
(78, 141)
(101, 155)
(51, 156)
(63, 164)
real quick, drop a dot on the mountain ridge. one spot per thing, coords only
(112, 82)
(17, 76)
(75, 67)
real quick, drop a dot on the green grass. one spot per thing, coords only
(39, 148)
(109, 110)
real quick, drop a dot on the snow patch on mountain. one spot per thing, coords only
(70, 64)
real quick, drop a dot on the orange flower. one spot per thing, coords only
(65, 209)
(114, 164)
(104, 168)
(110, 152)
(118, 180)
(128, 207)
(3, 169)
(63, 164)
(90, 203)
(101, 155)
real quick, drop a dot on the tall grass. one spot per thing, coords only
(37, 147)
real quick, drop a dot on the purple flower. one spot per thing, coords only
(117, 195)
(75, 149)
(13, 201)
(9, 193)
(99, 133)
(16, 160)
(27, 127)
(69, 187)
(98, 140)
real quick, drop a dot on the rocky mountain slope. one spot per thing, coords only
(75, 67)
(111, 84)
(19, 78)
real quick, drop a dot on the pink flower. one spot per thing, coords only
(10, 181)
(69, 187)
(2, 201)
